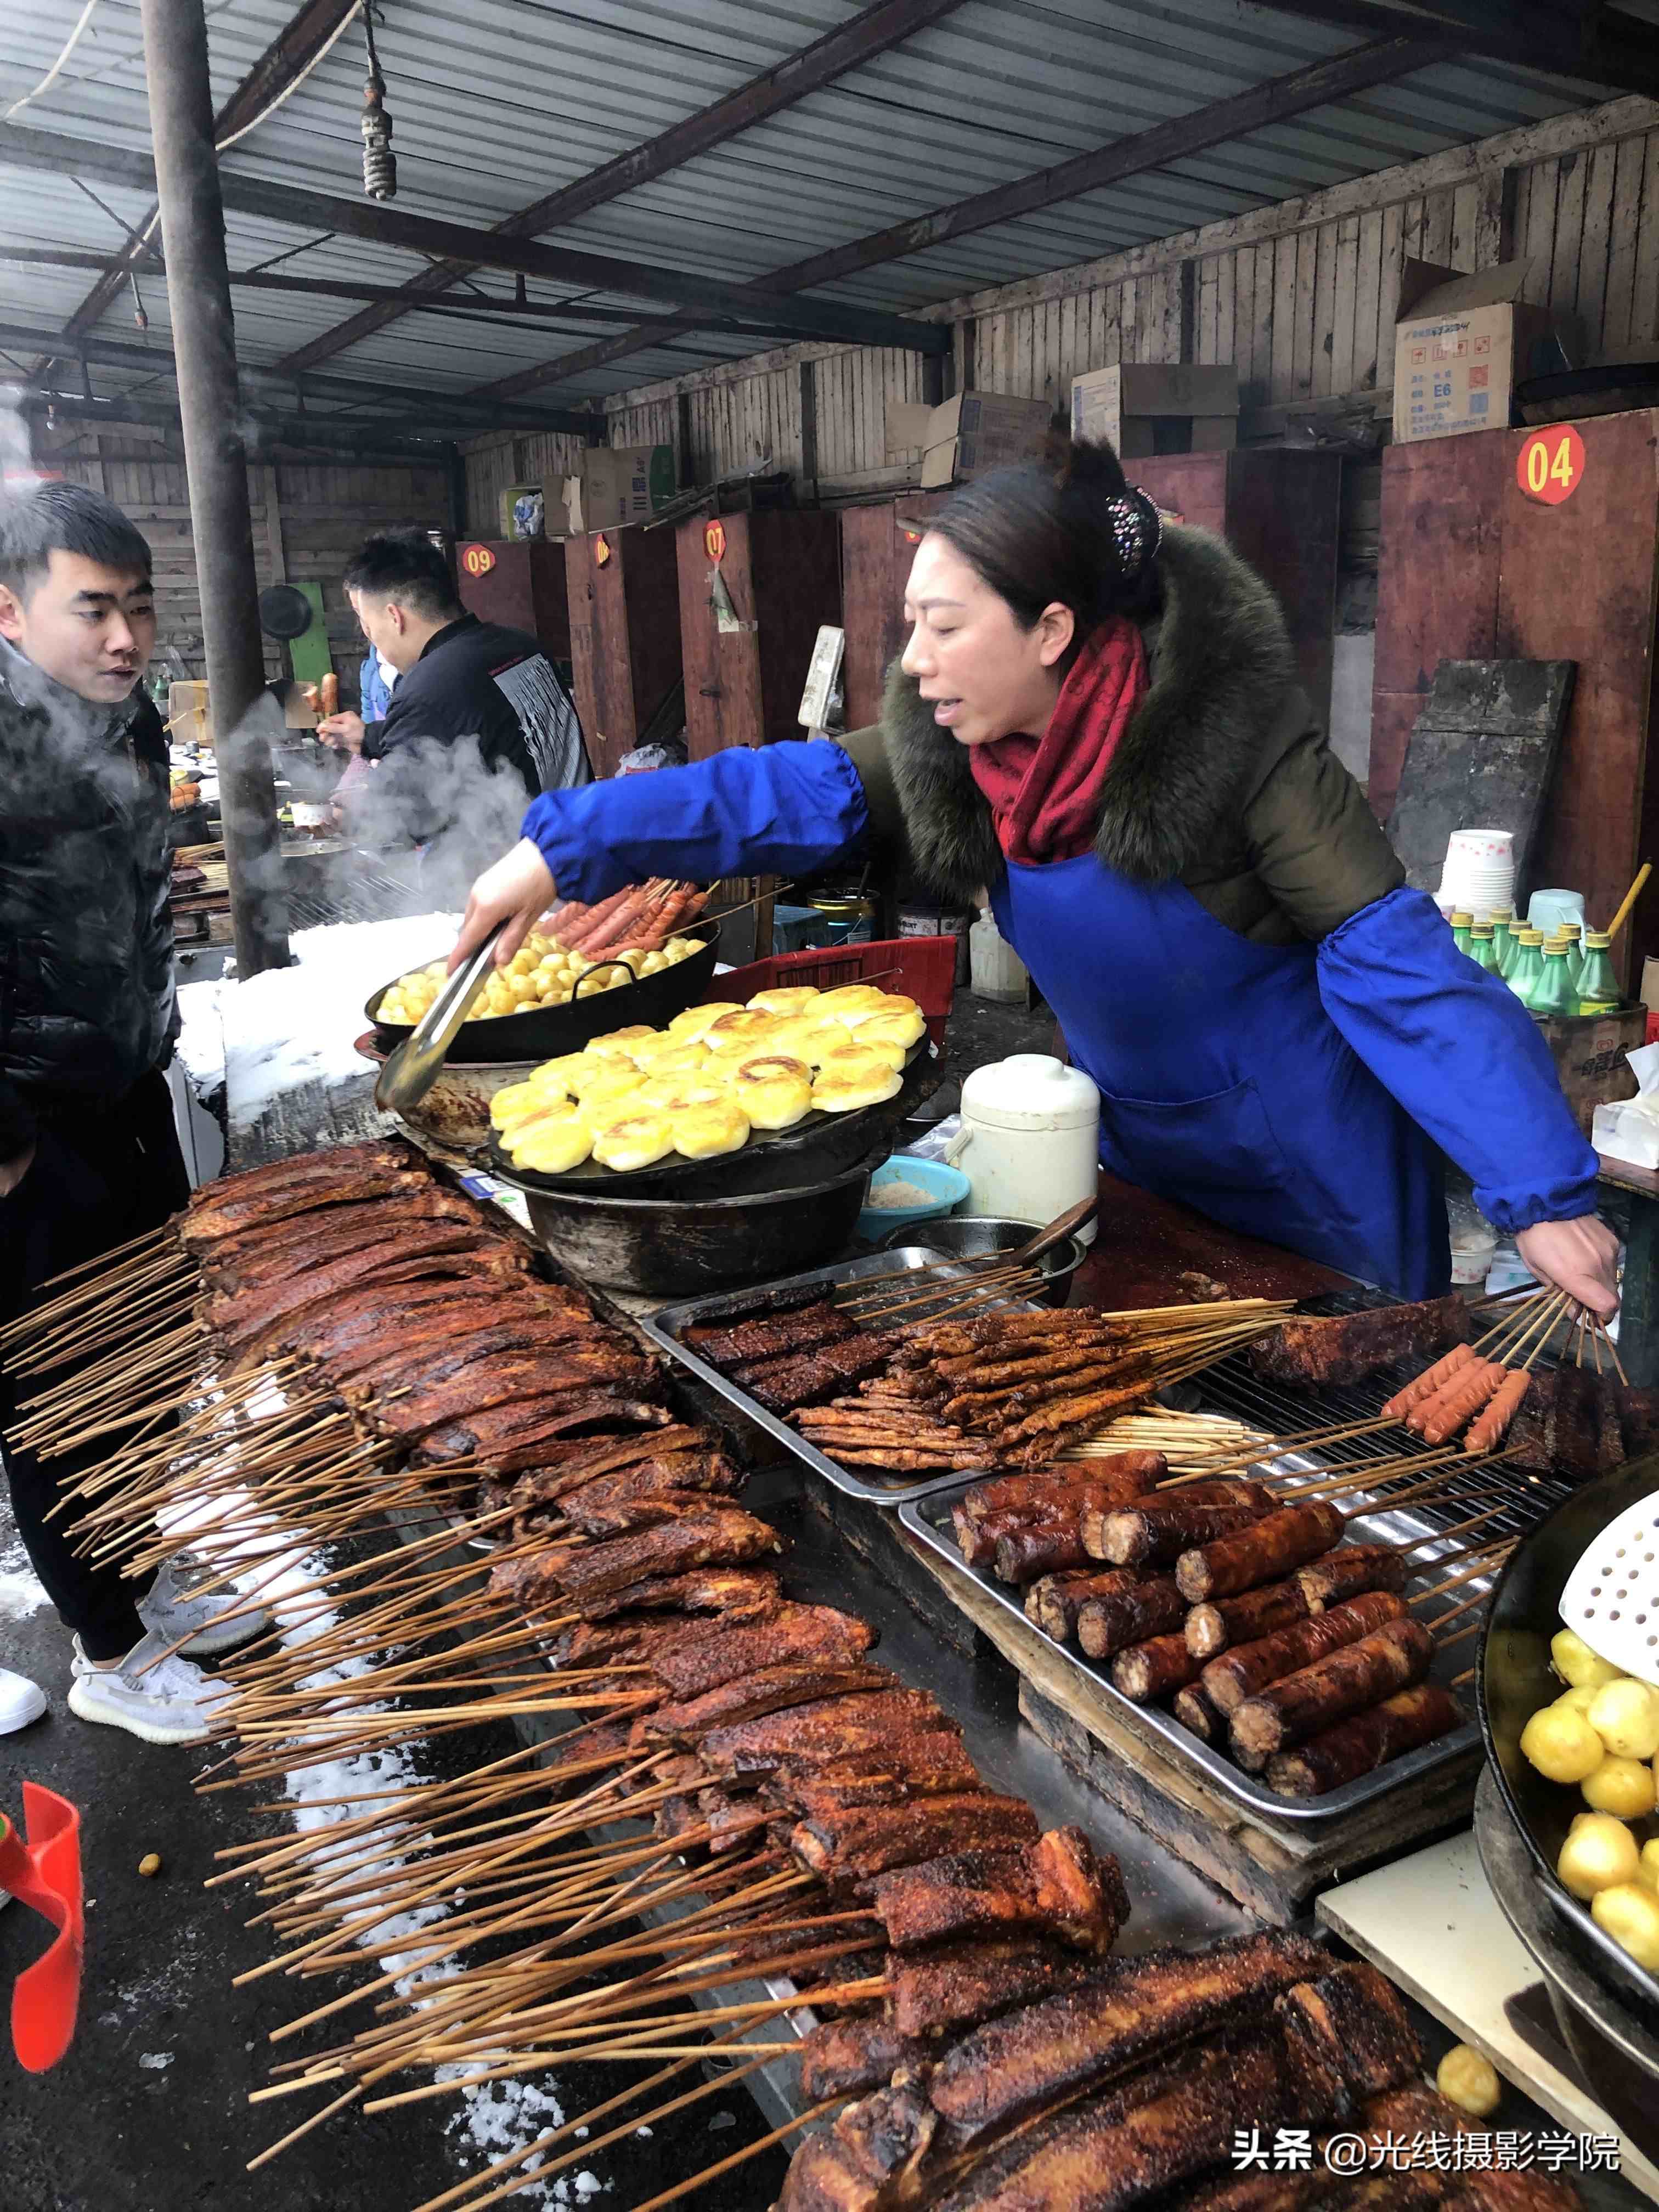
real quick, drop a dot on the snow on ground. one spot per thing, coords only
(294, 1026)
(21, 1594)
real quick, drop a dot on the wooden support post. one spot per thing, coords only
(204, 357)
(688, 473)
(809, 428)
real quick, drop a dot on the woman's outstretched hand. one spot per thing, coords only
(517, 890)
(1580, 1257)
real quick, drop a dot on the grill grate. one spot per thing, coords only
(364, 894)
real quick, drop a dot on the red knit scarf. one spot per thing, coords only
(1044, 792)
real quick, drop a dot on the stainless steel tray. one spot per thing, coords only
(664, 1328)
(929, 1519)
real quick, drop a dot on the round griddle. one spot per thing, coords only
(1514, 1678)
(285, 612)
(771, 1161)
(552, 1031)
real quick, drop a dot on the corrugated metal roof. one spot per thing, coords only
(495, 103)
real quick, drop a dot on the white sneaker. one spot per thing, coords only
(172, 1702)
(20, 1702)
(171, 1611)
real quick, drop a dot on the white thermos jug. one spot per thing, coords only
(1029, 1141)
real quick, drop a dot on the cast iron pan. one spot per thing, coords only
(552, 1031)
(771, 1162)
(1514, 1679)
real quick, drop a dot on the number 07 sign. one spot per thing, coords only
(1551, 465)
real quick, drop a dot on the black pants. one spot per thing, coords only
(100, 1177)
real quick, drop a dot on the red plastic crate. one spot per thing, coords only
(919, 968)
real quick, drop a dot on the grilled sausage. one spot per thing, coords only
(1261, 1553)
(1197, 1715)
(1435, 1419)
(1040, 1547)
(1247, 1668)
(1212, 1628)
(1488, 1431)
(1056, 1487)
(1361, 1744)
(1105, 1625)
(1052, 1601)
(1288, 1712)
(328, 695)
(1157, 1535)
(1350, 1569)
(1155, 1668)
(1429, 1382)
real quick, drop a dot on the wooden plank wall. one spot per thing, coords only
(1301, 297)
(323, 511)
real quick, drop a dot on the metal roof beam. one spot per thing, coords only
(1339, 77)
(293, 50)
(874, 32)
(384, 225)
(122, 353)
(1583, 39)
(268, 429)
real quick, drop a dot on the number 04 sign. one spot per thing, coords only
(1551, 465)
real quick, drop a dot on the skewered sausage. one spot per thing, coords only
(1350, 1569)
(1428, 1381)
(1240, 1673)
(1155, 1668)
(1361, 1744)
(1287, 1712)
(1263, 1552)
(1105, 1625)
(1441, 1416)
(328, 695)
(1048, 1546)
(1212, 1628)
(1054, 1601)
(1157, 1535)
(1488, 1431)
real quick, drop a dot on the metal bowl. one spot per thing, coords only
(1514, 1679)
(976, 1235)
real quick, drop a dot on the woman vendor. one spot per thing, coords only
(1099, 717)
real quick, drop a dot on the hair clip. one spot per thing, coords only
(1137, 529)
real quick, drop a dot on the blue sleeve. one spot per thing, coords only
(1462, 1055)
(788, 809)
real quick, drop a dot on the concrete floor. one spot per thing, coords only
(148, 2111)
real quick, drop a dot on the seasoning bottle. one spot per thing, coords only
(1527, 969)
(1482, 951)
(1555, 992)
(1598, 988)
(1461, 924)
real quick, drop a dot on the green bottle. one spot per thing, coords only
(1527, 969)
(1482, 951)
(1461, 924)
(1503, 937)
(1597, 985)
(1556, 993)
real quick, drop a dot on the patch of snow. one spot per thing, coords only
(201, 1047)
(21, 1594)
(156, 2061)
(291, 1027)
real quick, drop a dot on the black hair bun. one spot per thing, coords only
(1097, 500)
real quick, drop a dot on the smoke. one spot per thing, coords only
(443, 798)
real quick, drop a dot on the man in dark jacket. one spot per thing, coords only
(89, 1155)
(478, 721)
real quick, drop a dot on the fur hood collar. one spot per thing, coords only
(1221, 664)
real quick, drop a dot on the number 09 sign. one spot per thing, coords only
(1551, 463)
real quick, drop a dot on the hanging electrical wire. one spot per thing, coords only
(380, 162)
(57, 68)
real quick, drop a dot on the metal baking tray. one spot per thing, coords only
(664, 1328)
(929, 1519)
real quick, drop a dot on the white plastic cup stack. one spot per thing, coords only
(1478, 874)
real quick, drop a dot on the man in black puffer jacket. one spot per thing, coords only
(88, 1153)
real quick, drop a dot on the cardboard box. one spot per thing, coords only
(1649, 991)
(524, 511)
(616, 484)
(1462, 344)
(1148, 408)
(969, 434)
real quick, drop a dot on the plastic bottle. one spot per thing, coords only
(998, 971)
(1556, 993)
(1597, 985)
(1482, 951)
(1503, 936)
(1461, 924)
(1527, 968)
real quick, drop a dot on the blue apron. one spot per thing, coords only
(1224, 1082)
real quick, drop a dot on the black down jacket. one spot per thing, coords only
(87, 1003)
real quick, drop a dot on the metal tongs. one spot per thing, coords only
(411, 1071)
